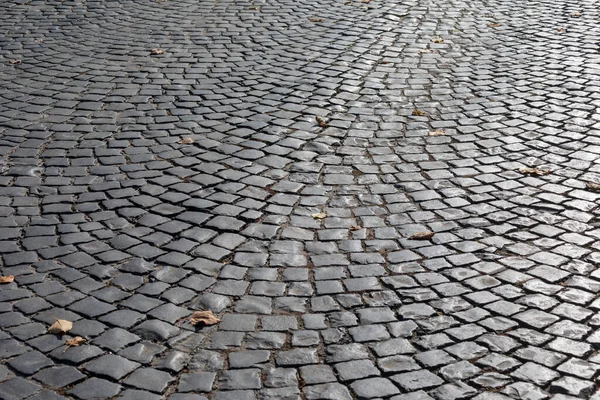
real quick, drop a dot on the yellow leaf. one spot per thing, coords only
(439, 132)
(426, 235)
(320, 215)
(592, 186)
(437, 40)
(60, 327)
(76, 341)
(315, 19)
(7, 279)
(157, 51)
(533, 171)
(186, 140)
(418, 113)
(203, 317)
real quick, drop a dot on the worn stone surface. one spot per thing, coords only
(277, 163)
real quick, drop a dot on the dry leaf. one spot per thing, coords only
(418, 113)
(493, 25)
(365, 1)
(426, 235)
(7, 279)
(592, 186)
(576, 14)
(439, 132)
(76, 341)
(355, 228)
(14, 61)
(157, 51)
(315, 19)
(561, 30)
(437, 40)
(320, 215)
(425, 51)
(321, 122)
(533, 171)
(60, 327)
(186, 140)
(203, 317)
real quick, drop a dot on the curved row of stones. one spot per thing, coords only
(110, 220)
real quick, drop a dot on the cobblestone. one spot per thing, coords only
(271, 162)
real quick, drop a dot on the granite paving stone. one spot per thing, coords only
(377, 200)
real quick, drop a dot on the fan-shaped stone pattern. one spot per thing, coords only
(139, 187)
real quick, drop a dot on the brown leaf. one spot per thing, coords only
(439, 132)
(561, 30)
(426, 235)
(592, 186)
(437, 40)
(76, 341)
(576, 14)
(355, 228)
(533, 171)
(157, 51)
(14, 61)
(7, 279)
(425, 51)
(60, 327)
(315, 19)
(186, 140)
(365, 1)
(203, 317)
(320, 215)
(418, 113)
(321, 122)
(493, 25)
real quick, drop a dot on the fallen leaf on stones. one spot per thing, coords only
(186, 140)
(437, 40)
(418, 113)
(60, 327)
(493, 25)
(15, 61)
(561, 30)
(533, 171)
(203, 317)
(355, 228)
(439, 132)
(76, 341)
(319, 215)
(7, 279)
(425, 51)
(315, 19)
(321, 122)
(592, 186)
(426, 235)
(576, 14)
(365, 1)
(157, 51)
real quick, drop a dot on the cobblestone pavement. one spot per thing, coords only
(427, 112)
